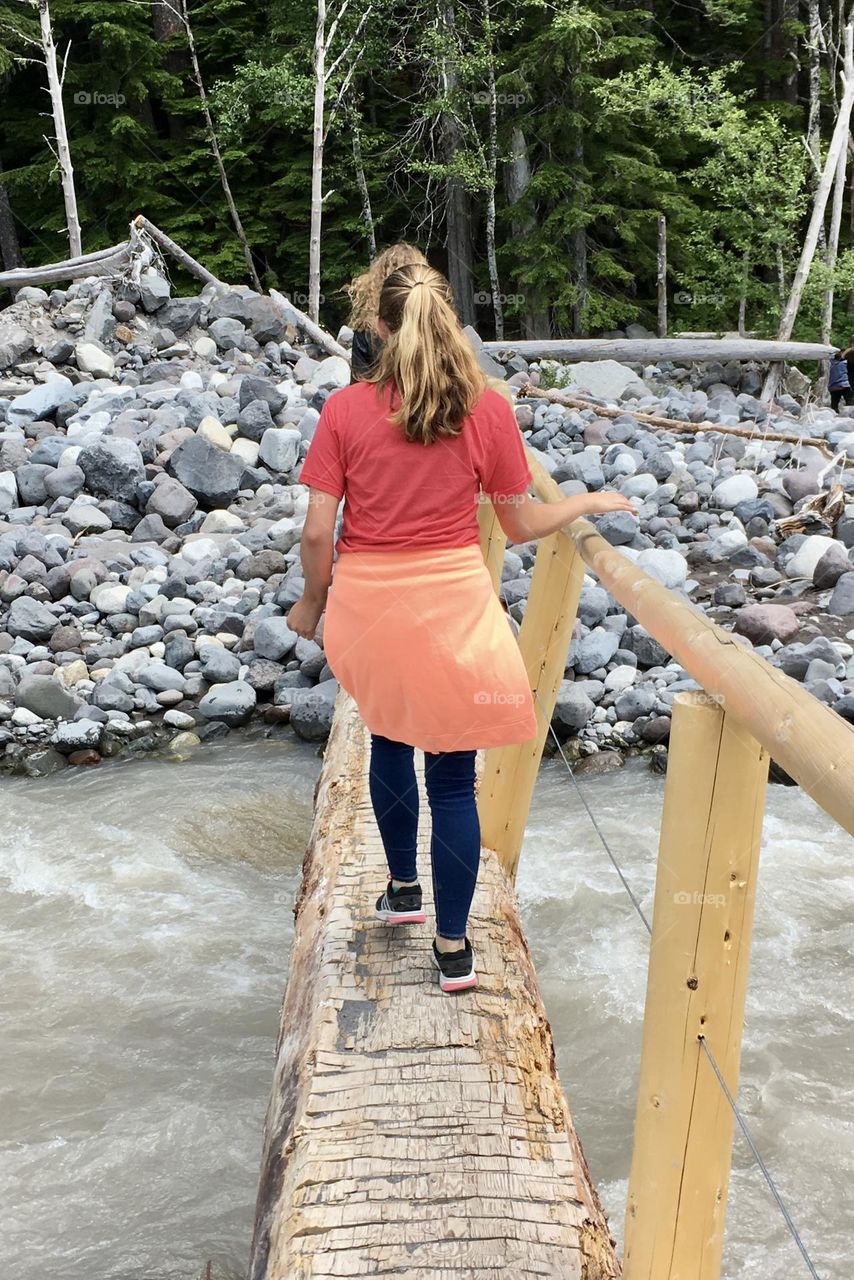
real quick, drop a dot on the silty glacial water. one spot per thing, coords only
(146, 913)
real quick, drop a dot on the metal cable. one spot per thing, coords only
(742, 1123)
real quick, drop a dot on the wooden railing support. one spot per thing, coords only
(493, 540)
(507, 785)
(699, 955)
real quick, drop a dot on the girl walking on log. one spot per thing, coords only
(413, 629)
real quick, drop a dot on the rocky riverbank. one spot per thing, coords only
(150, 516)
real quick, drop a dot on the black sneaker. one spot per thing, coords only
(456, 968)
(400, 906)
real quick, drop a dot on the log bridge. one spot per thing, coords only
(412, 1134)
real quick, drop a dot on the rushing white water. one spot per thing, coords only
(797, 1089)
(145, 924)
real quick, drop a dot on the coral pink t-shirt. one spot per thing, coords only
(402, 494)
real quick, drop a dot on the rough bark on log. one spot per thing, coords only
(529, 391)
(301, 321)
(641, 350)
(412, 1133)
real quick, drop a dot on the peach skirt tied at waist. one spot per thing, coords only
(419, 638)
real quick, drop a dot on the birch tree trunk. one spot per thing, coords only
(317, 137)
(832, 250)
(837, 144)
(517, 176)
(63, 151)
(457, 203)
(492, 169)
(814, 116)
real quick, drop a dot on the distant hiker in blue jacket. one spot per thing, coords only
(838, 383)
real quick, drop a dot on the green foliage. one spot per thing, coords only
(625, 111)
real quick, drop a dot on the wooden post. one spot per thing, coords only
(493, 540)
(510, 773)
(703, 915)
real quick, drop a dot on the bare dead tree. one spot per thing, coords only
(324, 74)
(837, 144)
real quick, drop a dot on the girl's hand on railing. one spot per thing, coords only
(598, 503)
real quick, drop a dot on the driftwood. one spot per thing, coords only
(410, 1132)
(528, 391)
(102, 263)
(108, 262)
(301, 321)
(819, 514)
(180, 255)
(641, 350)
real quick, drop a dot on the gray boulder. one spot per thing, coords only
(254, 420)
(595, 650)
(77, 736)
(274, 639)
(211, 475)
(180, 314)
(842, 600)
(572, 710)
(113, 468)
(232, 703)
(42, 402)
(280, 448)
(252, 389)
(46, 697)
(159, 677)
(312, 711)
(219, 665)
(635, 702)
(30, 619)
(617, 527)
(31, 483)
(172, 502)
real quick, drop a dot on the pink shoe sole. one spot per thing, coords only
(451, 985)
(401, 917)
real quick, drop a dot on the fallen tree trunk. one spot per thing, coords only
(103, 262)
(529, 391)
(301, 321)
(641, 350)
(180, 255)
(409, 1133)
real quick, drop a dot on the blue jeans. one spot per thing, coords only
(455, 843)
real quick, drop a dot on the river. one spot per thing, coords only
(145, 925)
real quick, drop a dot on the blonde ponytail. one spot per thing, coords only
(427, 359)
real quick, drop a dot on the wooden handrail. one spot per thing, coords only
(813, 744)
